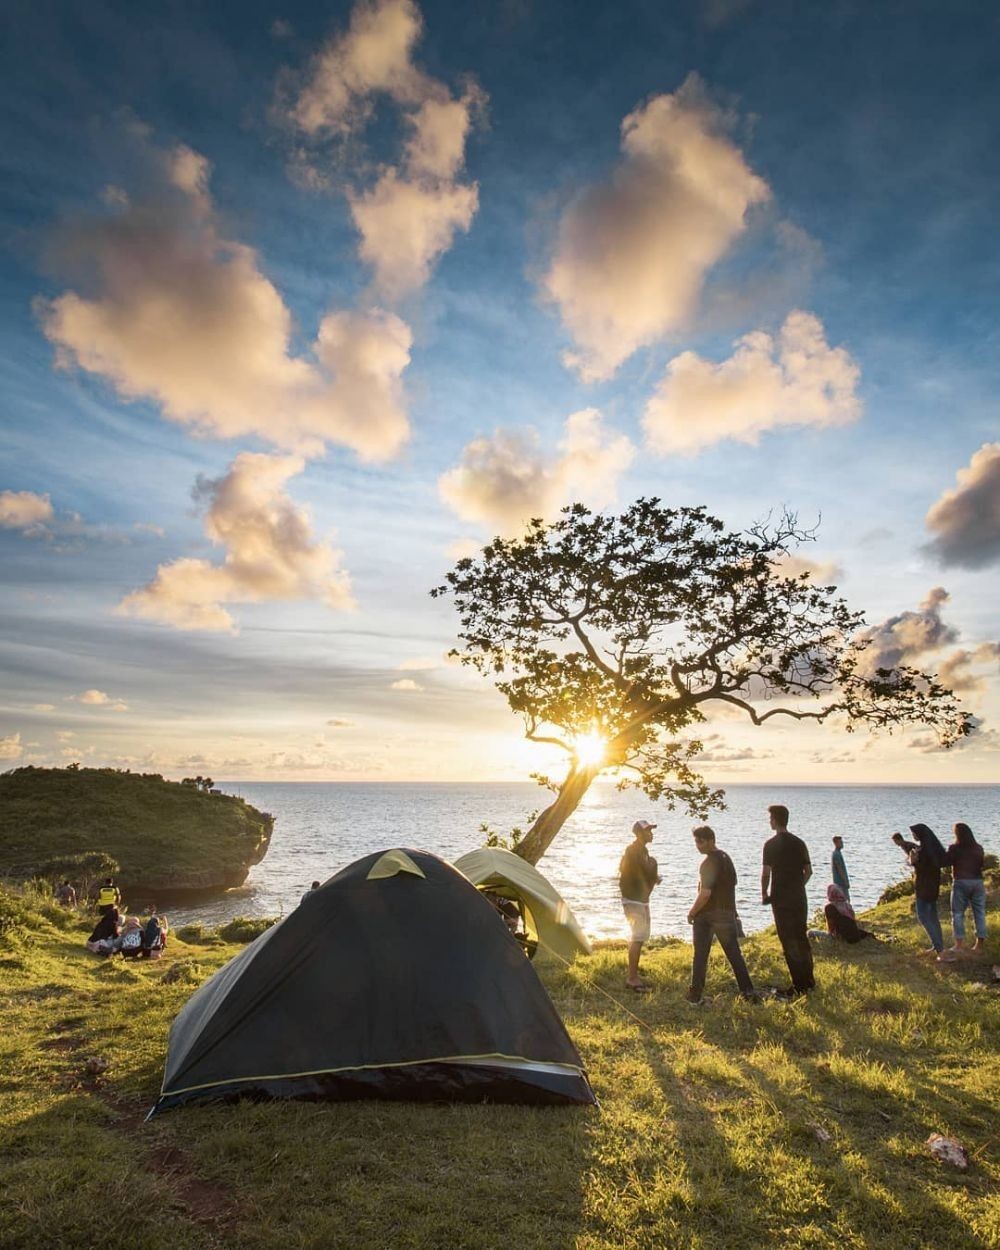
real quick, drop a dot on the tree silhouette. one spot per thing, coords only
(627, 629)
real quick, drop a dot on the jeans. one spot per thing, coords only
(703, 931)
(968, 892)
(791, 925)
(927, 914)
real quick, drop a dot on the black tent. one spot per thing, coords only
(395, 979)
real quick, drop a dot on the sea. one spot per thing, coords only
(321, 827)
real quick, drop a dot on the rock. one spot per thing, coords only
(821, 1134)
(948, 1150)
(97, 1064)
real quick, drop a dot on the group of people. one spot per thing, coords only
(965, 858)
(131, 936)
(786, 869)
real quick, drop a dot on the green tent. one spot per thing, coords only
(546, 912)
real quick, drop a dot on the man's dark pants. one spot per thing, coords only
(790, 921)
(703, 930)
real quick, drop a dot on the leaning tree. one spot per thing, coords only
(613, 635)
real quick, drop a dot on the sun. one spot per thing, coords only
(590, 749)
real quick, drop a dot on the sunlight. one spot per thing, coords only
(590, 748)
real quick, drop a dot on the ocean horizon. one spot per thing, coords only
(320, 827)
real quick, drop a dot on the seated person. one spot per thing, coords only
(840, 921)
(105, 931)
(130, 942)
(154, 937)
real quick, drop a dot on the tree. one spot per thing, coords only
(85, 869)
(613, 635)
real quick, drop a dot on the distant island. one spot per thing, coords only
(167, 838)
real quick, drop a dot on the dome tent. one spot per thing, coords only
(395, 979)
(547, 914)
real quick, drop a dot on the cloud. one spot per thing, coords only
(24, 510)
(796, 379)
(98, 698)
(340, 724)
(408, 218)
(966, 521)
(718, 751)
(980, 741)
(901, 639)
(504, 481)
(10, 747)
(418, 664)
(43, 707)
(956, 670)
(180, 314)
(631, 255)
(821, 573)
(406, 684)
(271, 553)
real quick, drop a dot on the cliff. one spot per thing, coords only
(168, 837)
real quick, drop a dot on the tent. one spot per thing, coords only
(547, 915)
(395, 979)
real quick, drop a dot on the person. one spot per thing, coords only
(314, 886)
(713, 915)
(130, 942)
(904, 845)
(105, 934)
(927, 859)
(109, 896)
(840, 918)
(637, 875)
(838, 869)
(154, 937)
(786, 869)
(66, 895)
(965, 856)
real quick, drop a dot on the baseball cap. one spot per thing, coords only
(642, 826)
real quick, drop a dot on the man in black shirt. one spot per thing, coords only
(783, 884)
(713, 914)
(637, 874)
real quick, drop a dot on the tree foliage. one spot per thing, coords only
(628, 628)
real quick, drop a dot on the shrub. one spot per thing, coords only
(246, 928)
(13, 916)
(194, 934)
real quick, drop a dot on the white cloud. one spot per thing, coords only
(407, 685)
(24, 510)
(631, 255)
(796, 379)
(504, 481)
(820, 572)
(902, 638)
(43, 707)
(10, 747)
(271, 553)
(182, 315)
(98, 698)
(340, 724)
(957, 671)
(464, 548)
(408, 218)
(965, 521)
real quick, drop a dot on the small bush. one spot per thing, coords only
(194, 934)
(246, 928)
(184, 972)
(14, 916)
(898, 890)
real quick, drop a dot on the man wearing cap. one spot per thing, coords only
(637, 874)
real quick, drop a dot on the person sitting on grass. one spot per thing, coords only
(130, 942)
(968, 889)
(840, 919)
(927, 860)
(102, 940)
(154, 937)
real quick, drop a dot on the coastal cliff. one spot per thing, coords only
(169, 838)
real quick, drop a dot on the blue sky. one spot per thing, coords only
(427, 212)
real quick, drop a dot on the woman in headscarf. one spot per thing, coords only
(928, 860)
(968, 889)
(105, 933)
(840, 921)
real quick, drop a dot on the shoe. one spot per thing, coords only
(927, 953)
(945, 958)
(642, 988)
(692, 997)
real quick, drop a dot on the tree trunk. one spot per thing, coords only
(539, 837)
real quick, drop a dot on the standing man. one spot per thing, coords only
(637, 874)
(904, 845)
(783, 884)
(109, 897)
(838, 868)
(713, 914)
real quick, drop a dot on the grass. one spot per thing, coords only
(708, 1135)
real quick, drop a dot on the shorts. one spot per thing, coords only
(637, 915)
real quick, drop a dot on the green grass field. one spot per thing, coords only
(732, 1125)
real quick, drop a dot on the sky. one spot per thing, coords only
(301, 303)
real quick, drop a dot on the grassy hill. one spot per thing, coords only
(165, 835)
(795, 1125)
